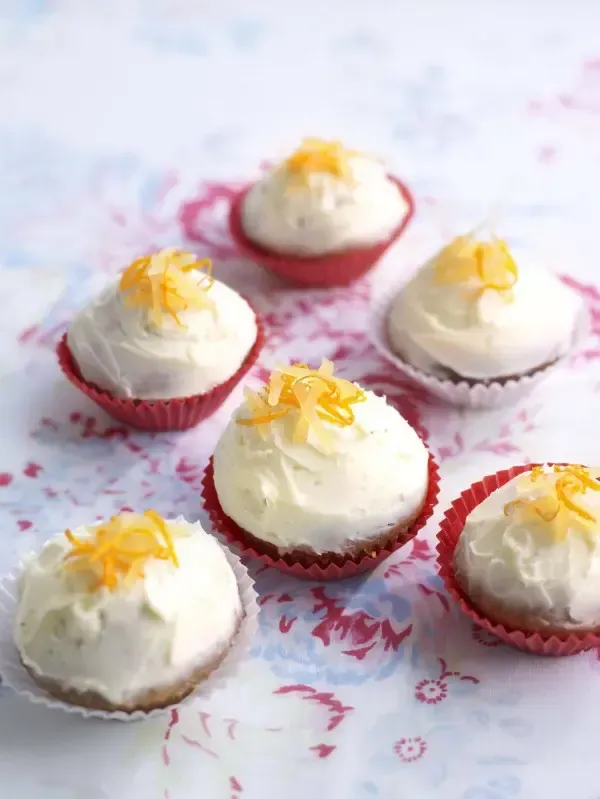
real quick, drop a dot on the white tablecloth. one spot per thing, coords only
(120, 119)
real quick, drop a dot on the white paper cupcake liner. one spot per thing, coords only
(462, 394)
(15, 676)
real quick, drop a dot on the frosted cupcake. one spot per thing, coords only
(163, 347)
(472, 317)
(520, 551)
(313, 470)
(131, 614)
(529, 555)
(322, 217)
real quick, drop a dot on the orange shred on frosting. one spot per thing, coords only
(536, 473)
(318, 155)
(559, 508)
(316, 394)
(488, 266)
(120, 548)
(163, 284)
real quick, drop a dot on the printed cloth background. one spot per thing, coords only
(126, 126)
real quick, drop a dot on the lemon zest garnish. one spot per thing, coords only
(486, 266)
(559, 510)
(162, 526)
(536, 473)
(162, 283)
(318, 155)
(119, 549)
(315, 393)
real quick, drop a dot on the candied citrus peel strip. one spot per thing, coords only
(316, 394)
(162, 283)
(487, 265)
(318, 155)
(536, 472)
(559, 508)
(119, 549)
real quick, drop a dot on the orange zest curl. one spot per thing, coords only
(315, 396)
(576, 480)
(486, 266)
(536, 473)
(120, 548)
(163, 284)
(317, 155)
(559, 510)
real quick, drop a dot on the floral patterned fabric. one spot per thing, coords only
(128, 126)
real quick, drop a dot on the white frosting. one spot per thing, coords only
(372, 476)
(443, 331)
(121, 350)
(520, 568)
(327, 214)
(150, 633)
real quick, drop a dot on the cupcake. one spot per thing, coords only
(162, 348)
(472, 318)
(323, 217)
(313, 471)
(127, 615)
(520, 551)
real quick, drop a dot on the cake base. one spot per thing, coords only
(501, 381)
(500, 614)
(307, 556)
(152, 699)
(440, 372)
(308, 564)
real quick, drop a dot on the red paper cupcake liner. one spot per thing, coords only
(342, 566)
(336, 269)
(159, 415)
(451, 527)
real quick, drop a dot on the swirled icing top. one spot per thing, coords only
(533, 547)
(471, 312)
(125, 606)
(323, 198)
(166, 330)
(315, 461)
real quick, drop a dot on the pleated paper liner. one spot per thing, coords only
(159, 415)
(336, 567)
(15, 676)
(536, 643)
(461, 393)
(323, 271)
